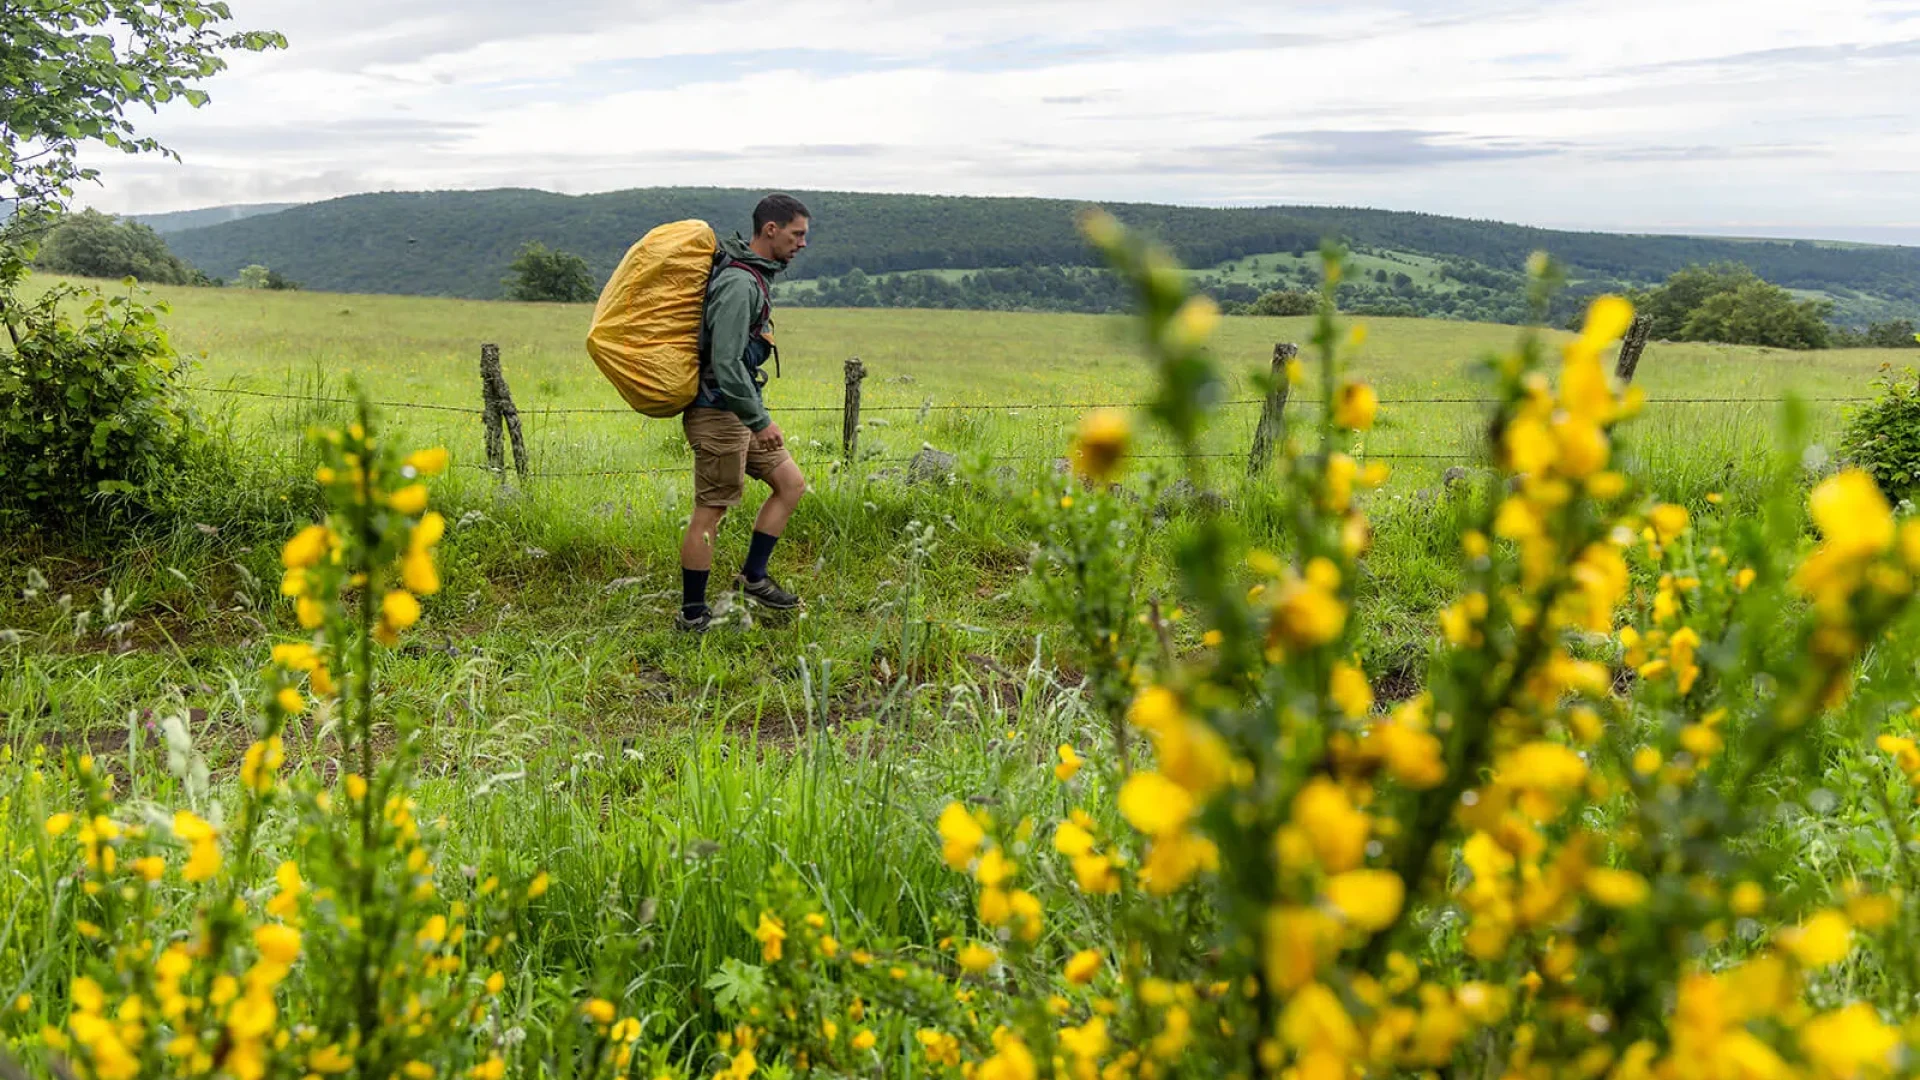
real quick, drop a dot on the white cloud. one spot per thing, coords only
(1627, 113)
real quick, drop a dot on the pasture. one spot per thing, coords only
(668, 784)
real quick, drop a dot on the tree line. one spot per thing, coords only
(1722, 302)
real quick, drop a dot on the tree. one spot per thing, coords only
(69, 71)
(551, 276)
(1281, 302)
(1673, 303)
(1897, 334)
(259, 277)
(92, 244)
(1757, 313)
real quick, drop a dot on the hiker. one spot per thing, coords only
(727, 425)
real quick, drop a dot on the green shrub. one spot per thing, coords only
(96, 245)
(1884, 437)
(89, 406)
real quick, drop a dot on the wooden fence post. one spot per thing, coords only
(499, 412)
(1631, 347)
(850, 412)
(490, 410)
(1272, 424)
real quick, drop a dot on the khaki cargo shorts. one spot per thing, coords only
(724, 456)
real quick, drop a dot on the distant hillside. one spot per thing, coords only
(459, 243)
(182, 220)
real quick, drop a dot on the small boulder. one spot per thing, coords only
(930, 466)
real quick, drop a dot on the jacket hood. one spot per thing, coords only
(737, 248)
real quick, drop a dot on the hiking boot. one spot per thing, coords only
(767, 593)
(698, 624)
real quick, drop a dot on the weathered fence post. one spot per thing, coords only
(499, 412)
(1631, 347)
(850, 412)
(490, 409)
(1272, 424)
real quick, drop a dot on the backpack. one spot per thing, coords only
(649, 326)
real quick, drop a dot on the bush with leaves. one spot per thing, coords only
(1883, 438)
(542, 275)
(89, 407)
(96, 245)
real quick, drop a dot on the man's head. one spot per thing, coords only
(780, 227)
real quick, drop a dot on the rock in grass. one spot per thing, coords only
(930, 466)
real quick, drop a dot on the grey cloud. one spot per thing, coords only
(1704, 153)
(335, 135)
(1357, 151)
(1771, 61)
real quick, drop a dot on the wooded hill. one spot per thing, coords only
(459, 243)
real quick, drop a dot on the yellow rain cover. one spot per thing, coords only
(646, 327)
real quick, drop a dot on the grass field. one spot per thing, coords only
(578, 564)
(562, 719)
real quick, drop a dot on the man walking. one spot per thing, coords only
(727, 425)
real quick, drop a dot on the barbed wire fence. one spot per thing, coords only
(501, 419)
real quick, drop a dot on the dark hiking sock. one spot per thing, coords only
(693, 591)
(755, 568)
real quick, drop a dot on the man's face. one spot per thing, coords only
(786, 241)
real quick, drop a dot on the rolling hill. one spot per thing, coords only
(459, 243)
(181, 220)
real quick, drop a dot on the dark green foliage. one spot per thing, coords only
(260, 277)
(1884, 437)
(1031, 288)
(88, 407)
(1729, 303)
(555, 276)
(1758, 313)
(1892, 334)
(1285, 302)
(96, 245)
(452, 243)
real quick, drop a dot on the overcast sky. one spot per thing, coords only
(1757, 116)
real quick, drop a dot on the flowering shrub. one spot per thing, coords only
(1542, 865)
(352, 961)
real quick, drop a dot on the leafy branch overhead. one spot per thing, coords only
(73, 69)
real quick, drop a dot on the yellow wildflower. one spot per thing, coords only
(1154, 804)
(771, 934)
(307, 547)
(1822, 940)
(1349, 689)
(961, 835)
(1070, 763)
(1083, 966)
(1100, 446)
(1336, 831)
(599, 1010)
(1616, 888)
(975, 958)
(280, 944)
(1852, 514)
(1368, 900)
(409, 500)
(1355, 405)
(399, 609)
(429, 462)
(1668, 521)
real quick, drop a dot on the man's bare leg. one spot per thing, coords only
(788, 485)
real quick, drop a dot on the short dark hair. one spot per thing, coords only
(778, 208)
